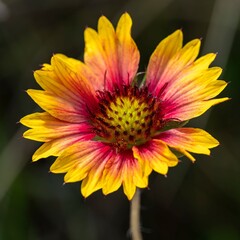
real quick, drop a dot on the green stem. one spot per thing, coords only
(135, 217)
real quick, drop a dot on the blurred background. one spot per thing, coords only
(196, 201)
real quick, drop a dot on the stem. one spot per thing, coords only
(135, 217)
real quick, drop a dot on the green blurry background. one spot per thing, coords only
(196, 201)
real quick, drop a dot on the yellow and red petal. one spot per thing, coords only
(185, 86)
(80, 159)
(124, 169)
(187, 111)
(112, 55)
(108, 42)
(189, 76)
(187, 140)
(57, 106)
(160, 58)
(56, 146)
(52, 78)
(133, 177)
(68, 79)
(113, 174)
(156, 155)
(76, 77)
(99, 166)
(174, 63)
(85, 161)
(45, 128)
(128, 54)
(192, 94)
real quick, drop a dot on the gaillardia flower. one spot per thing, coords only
(108, 128)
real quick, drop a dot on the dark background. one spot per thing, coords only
(196, 201)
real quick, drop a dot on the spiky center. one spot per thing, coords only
(127, 117)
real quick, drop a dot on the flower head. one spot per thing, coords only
(105, 127)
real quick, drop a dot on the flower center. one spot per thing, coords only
(127, 117)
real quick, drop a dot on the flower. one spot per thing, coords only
(105, 126)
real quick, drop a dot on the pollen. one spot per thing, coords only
(127, 117)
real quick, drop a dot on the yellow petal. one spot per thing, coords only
(85, 161)
(132, 177)
(48, 80)
(128, 54)
(129, 188)
(55, 147)
(67, 78)
(185, 56)
(95, 178)
(122, 168)
(93, 51)
(93, 181)
(194, 109)
(185, 86)
(108, 39)
(56, 106)
(113, 175)
(77, 157)
(157, 154)
(46, 128)
(190, 81)
(71, 72)
(189, 139)
(113, 56)
(94, 56)
(181, 60)
(165, 50)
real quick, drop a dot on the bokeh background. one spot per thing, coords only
(196, 201)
